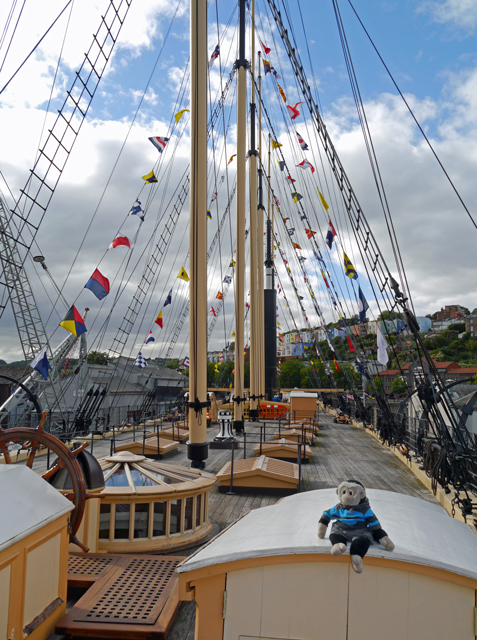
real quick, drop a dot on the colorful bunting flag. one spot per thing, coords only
(214, 56)
(214, 197)
(228, 279)
(324, 278)
(351, 348)
(281, 164)
(291, 231)
(265, 49)
(209, 215)
(296, 197)
(168, 299)
(158, 320)
(297, 246)
(150, 178)
(216, 369)
(140, 361)
(274, 71)
(40, 363)
(213, 312)
(306, 165)
(290, 179)
(73, 322)
(350, 271)
(276, 201)
(330, 234)
(120, 241)
(136, 210)
(98, 284)
(220, 296)
(232, 263)
(309, 233)
(179, 114)
(301, 142)
(185, 363)
(159, 143)
(231, 158)
(336, 365)
(294, 111)
(282, 93)
(266, 66)
(150, 338)
(275, 144)
(183, 275)
(363, 306)
(323, 201)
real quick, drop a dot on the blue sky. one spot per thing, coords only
(428, 46)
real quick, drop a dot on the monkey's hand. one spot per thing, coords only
(387, 543)
(322, 530)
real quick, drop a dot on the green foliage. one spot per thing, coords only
(378, 384)
(98, 357)
(291, 374)
(399, 387)
(458, 327)
(347, 372)
(172, 364)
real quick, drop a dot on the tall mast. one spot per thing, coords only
(254, 309)
(261, 209)
(270, 304)
(240, 223)
(197, 446)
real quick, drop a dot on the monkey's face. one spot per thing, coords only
(350, 494)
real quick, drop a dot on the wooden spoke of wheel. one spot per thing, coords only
(66, 457)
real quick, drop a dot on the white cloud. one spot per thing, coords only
(460, 13)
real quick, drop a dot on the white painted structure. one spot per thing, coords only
(281, 581)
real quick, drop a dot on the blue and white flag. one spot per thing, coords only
(159, 142)
(140, 361)
(168, 299)
(185, 363)
(149, 339)
(136, 210)
(40, 363)
(362, 305)
(228, 279)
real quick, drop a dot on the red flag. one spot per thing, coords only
(158, 320)
(120, 241)
(266, 49)
(309, 233)
(351, 348)
(213, 312)
(336, 365)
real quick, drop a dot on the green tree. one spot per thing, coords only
(347, 377)
(98, 357)
(211, 374)
(399, 387)
(290, 374)
(378, 384)
(172, 364)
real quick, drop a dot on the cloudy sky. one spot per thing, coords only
(429, 47)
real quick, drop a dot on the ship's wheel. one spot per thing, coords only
(32, 439)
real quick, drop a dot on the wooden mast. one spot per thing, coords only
(197, 446)
(261, 209)
(254, 294)
(240, 224)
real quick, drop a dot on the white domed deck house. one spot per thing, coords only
(270, 577)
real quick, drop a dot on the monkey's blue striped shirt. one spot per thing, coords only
(351, 518)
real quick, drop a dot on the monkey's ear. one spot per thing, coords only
(338, 490)
(362, 492)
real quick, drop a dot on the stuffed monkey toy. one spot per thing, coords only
(354, 522)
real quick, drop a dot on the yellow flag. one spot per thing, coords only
(179, 114)
(233, 334)
(150, 177)
(183, 275)
(231, 158)
(275, 144)
(232, 263)
(323, 201)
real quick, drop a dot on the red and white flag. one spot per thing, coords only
(120, 241)
(306, 165)
(294, 111)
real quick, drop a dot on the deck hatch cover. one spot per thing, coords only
(137, 594)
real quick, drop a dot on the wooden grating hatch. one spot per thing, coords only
(134, 596)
